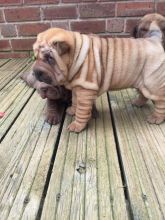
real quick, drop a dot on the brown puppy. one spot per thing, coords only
(89, 66)
(149, 25)
(57, 96)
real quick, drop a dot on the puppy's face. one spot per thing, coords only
(44, 86)
(52, 51)
(149, 25)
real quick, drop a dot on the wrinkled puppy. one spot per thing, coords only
(90, 65)
(57, 96)
(151, 25)
(148, 26)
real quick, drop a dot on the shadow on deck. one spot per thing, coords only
(115, 169)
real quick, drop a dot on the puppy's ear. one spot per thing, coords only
(135, 32)
(35, 49)
(61, 47)
(162, 27)
(164, 39)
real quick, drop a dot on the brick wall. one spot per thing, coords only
(22, 20)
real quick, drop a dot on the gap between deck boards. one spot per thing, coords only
(122, 172)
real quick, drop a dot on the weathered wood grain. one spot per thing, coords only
(3, 61)
(13, 98)
(53, 196)
(11, 69)
(32, 146)
(83, 187)
(86, 179)
(140, 168)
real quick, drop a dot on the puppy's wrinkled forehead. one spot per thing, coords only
(49, 38)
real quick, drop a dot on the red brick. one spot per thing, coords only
(121, 0)
(61, 24)
(5, 55)
(130, 24)
(8, 30)
(96, 10)
(89, 0)
(10, 2)
(134, 8)
(32, 29)
(77, 1)
(88, 26)
(115, 25)
(22, 44)
(39, 2)
(22, 14)
(1, 16)
(71, 1)
(161, 8)
(5, 45)
(60, 12)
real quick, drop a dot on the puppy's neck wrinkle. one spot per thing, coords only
(82, 45)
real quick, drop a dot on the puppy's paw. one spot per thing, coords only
(53, 119)
(154, 119)
(139, 102)
(76, 127)
(71, 110)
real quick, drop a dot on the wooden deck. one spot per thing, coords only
(115, 169)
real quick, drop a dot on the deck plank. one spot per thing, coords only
(142, 172)
(11, 69)
(13, 97)
(29, 149)
(3, 61)
(83, 174)
(54, 195)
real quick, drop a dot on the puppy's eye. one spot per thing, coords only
(49, 59)
(144, 30)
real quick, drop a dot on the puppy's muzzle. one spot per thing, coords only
(155, 33)
(42, 72)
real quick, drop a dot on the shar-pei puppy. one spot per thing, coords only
(149, 25)
(89, 66)
(57, 97)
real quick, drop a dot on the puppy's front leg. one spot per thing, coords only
(72, 109)
(53, 111)
(84, 102)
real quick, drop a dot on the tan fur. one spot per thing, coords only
(149, 25)
(115, 64)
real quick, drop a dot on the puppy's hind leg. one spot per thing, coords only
(158, 116)
(140, 101)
